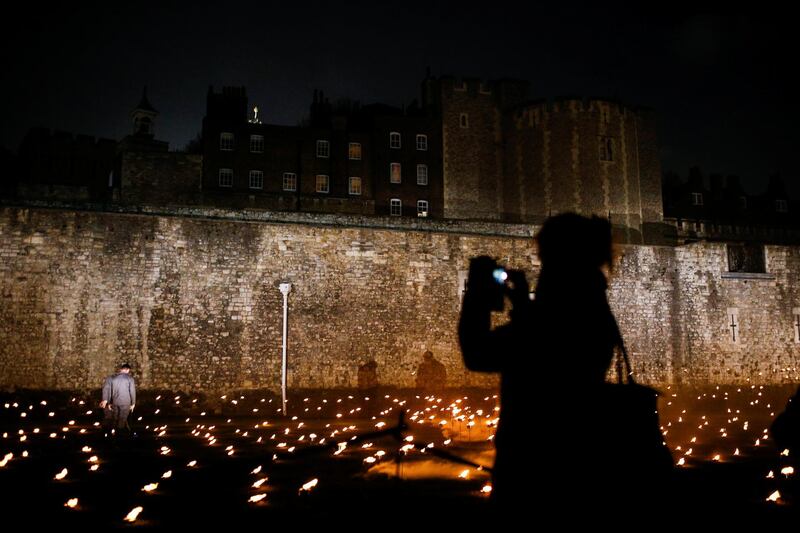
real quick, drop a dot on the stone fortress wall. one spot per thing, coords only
(189, 297)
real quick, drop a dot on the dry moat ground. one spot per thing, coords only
(235, 462)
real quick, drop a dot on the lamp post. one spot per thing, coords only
(285, 288)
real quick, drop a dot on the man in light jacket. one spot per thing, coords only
(120, 393)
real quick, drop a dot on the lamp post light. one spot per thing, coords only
(285, 288)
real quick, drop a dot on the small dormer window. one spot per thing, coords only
(781, 206)
(697, 198)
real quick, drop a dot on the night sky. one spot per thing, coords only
(720, 84)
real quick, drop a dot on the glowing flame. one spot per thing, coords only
(260, 482)
(487, 488)
(150, 487)
(167, 474)
(134, 514)
(192, 464)
(257, 470)
(774, 497)
(771, 475)
(681, 461)
(61, 475)
(787, 471)
(72, 503)
(785, 452)
(464, 474)
(6, 459)
(310, 485)
(257, 498)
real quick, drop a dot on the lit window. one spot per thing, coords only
(781, 206)
(697, 198)
(394, 173)
(256, 143)
(394, 140)
(395, 207)
(355, 186)
(256, 179)
(422, 142)
(422, 208)
(323, 184)
(606, 148)
(422, 174)
(463, 120)
(289, 181)
(226, 177)
(354, 151)
(226, 141)
(323, 148)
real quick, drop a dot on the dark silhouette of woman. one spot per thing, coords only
(554, 346)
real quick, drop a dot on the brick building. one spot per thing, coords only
(719, 209)
(347, 158)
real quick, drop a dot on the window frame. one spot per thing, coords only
(258, 139)
(259, 175)
(227, 171)
(426, 210)
(350, 147)
(605, 148)
(350, 182)
(399, 173)
(327, 182)
(395, 135)
(395, 202)
(695, 197)
(290, 176)
(323, 148)
(225, 146)
(422, 142)
(424, 167)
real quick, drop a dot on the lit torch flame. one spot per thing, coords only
(134, 514)
(310, 485)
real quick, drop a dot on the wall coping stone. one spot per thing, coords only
(468, 227)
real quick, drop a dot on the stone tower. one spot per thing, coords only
(144, 116)
(142, 139)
